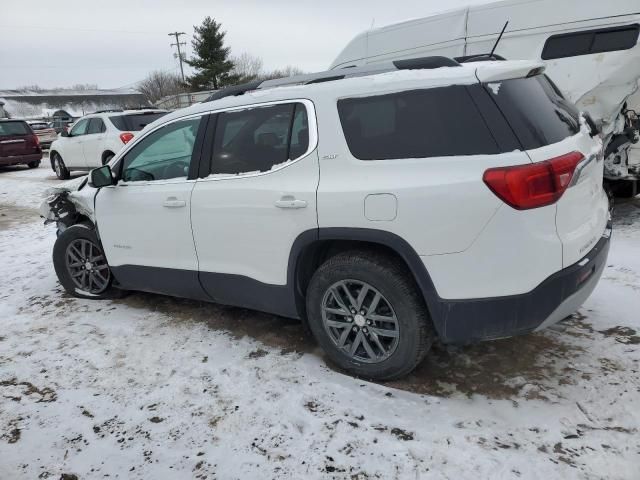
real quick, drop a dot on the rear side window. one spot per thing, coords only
(590, 41)
(96, 125)
(436, 122)
(537, 112)
(257, 139)
(134, 122)
(13, 128)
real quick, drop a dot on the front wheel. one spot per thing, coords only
(367, 314)
(59, 167)
(80, 263)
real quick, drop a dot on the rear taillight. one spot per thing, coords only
(35, 140)
(533, 185)
(126, 137)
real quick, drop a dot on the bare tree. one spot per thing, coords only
(288, 71)
(84, 86)
(159, 84)
(247, 67)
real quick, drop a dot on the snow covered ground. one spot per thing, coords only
(155, 387)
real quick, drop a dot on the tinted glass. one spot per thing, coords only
(13, 128)
(164, 154)
(620, 39)
(590, 41)
(536, 111)
(134, 122)
(39, 126)
(80, 128)
(96, 125)
(256, 139)
(416, 124)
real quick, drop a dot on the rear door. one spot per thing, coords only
(260, 196)
(549, 127)
(14, 139)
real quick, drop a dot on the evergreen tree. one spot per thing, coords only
(211, 60)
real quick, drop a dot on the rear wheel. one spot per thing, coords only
(34, 164)
(80, 263)
(59, 167)
(366, 313)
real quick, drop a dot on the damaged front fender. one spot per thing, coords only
(69, 204)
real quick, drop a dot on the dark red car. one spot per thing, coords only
(18, 144)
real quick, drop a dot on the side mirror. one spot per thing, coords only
(101, 177)
(64, 133)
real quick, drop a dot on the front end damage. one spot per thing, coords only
(69, 204)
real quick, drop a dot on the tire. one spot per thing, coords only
(59, 167)
(35, 164)
(107, 158)
(394, 356)
(625, 188)
(74, 247)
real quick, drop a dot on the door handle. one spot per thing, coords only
(289, 201)
(173, 202)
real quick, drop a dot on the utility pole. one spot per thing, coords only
(177, 44)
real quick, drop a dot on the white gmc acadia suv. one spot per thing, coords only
(386, 206)
(96, 138)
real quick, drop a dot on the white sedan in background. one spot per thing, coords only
(96, 138)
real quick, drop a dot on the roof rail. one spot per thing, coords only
(479, 57)
(425, 63)
(234, 90)
(108, 110)
(334, 75)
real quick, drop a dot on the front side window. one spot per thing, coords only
(257, 139)
(164, 154)
(435, 122)
(80, 128)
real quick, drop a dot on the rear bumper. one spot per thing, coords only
(20, 159)
(472, 320)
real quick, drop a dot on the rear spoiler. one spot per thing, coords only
(496, 71)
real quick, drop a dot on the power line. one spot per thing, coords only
(177, 44)
(50, 27)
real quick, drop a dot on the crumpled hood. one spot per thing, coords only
(79, 193)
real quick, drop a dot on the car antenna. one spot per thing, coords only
(498, 40)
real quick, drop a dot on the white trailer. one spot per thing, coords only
(590, 49)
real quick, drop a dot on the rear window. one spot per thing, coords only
(436, 122)
(536, 110)
(13, 128)
(134, 122)
(39, 126)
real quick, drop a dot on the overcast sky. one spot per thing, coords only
(115, 43)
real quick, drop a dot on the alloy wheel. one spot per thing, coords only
(360, 321)
(87, 266)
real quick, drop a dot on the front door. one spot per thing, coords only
(73, 152)
(94, 142)
(144, 221)
(260, 195)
